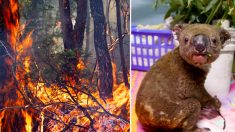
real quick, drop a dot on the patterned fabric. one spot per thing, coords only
(215, 124)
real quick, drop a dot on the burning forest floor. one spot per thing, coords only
(60, 94)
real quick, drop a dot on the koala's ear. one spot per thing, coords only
(224, 35)
(177, 29)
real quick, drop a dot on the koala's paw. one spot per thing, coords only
(214, 103)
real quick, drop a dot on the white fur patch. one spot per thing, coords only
(162, 113)
(149, 109)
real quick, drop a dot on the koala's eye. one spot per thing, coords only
(214, 41)
(186, 40)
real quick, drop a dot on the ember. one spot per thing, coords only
(71, 101)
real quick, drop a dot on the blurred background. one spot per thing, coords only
(143, 12)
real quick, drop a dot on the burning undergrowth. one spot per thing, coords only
(64, 92)
(67, 98)
(54, 94)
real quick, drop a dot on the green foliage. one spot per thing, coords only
(199, 11)
(70, 54)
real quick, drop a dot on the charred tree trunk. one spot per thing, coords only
(101, 48)
(67, 26)
(126, 14)
(88, 19)
(108, 23)
(2, 35)
(80, 25)
(2, 52)
(119, 27)
(31, 19)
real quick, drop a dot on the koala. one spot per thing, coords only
(172, 93)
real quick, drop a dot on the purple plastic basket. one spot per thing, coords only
(147, 46)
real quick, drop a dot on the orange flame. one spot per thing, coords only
(1, 115)
(28, 120)
(12, 24)
(13, 27)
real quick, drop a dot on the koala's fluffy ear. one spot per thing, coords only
(224, 35)
(177, 29)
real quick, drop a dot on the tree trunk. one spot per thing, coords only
(125, 8)
(2, 35)
(67, 26)
(88, 19)
(2, 51)
(80, 25)
(108, 22)
(104, 62)
(33, 21)
(119, 27)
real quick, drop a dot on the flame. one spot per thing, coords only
(28, 120)
(14, 33)
(80, 65)
(1, 117)
(12, 14)
(113, 105)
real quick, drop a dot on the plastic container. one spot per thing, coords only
(147, 46)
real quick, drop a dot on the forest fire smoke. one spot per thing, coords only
(69, 103)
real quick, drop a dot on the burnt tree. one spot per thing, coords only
(119, 28)
(67, 26)
(102, 53)
(2, 53)
(2, 35)
(125, 9)
(33, 19)
(73, 36)
(80, 25)
(88, 23)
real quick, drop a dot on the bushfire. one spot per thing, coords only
(66, 103)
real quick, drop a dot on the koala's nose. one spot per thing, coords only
(200, 47)
(200, 42)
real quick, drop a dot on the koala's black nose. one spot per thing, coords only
(200, 47)
(200, 42)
